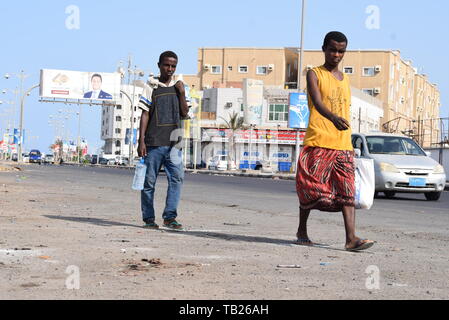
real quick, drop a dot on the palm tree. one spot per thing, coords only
(234, 123)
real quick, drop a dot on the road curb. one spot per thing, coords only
(243, 174)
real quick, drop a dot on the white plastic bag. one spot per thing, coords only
(364, 183)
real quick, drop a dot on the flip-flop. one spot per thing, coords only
(303, 242)
(362, 244)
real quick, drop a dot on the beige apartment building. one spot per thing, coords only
(411, 103)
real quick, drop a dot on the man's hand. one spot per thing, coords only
(180, 88)
(142, 150)
(340, 123)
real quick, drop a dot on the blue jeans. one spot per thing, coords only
(171, 158)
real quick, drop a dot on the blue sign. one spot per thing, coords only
(16, 136)
(128, 136)
(298, 113)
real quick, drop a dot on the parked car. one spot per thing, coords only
(14, 157)
(103, 161)
(121, 161)
(264, 166)
(218, 163)
(25, 157)
(35, 156)
(49, 158)
(94, 159)
(401, 165)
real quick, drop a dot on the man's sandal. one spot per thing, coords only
(362, 244)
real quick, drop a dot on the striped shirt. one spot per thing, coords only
(146, 100)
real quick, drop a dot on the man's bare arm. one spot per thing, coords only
(142, 149)
(182, 98)
(314, 92)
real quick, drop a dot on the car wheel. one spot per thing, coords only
(389, 194)
(376, 194)
(432, 196)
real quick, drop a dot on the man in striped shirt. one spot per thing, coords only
(163, 106)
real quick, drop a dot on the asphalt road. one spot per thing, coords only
(407, 212)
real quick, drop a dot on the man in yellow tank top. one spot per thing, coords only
(325, 177)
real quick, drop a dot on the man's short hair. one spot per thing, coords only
(336, 36)
(167, 54)
(97, 75)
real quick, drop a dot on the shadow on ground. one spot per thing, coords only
(201, 234)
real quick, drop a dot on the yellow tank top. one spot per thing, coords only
(336, 95)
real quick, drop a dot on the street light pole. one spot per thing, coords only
(21, 121)
(300, 67)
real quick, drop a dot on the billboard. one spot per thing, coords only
(298, 113)
(64, 84)
(252, 101)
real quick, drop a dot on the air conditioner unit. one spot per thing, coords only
(309, 67)
(207, 67)
(376, 90)
(270, 67)
(378, 68)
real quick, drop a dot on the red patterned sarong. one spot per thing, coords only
(325, 179)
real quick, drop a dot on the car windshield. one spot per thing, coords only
(394, 145)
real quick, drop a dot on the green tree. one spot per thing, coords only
(234, 123)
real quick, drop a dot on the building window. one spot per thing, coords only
(119, 107)
(229, 68)
(216, 70)
(369, 91)
(368, 72)
(118, 118)
(243, 69)
(118, 130)
(348, 70)
(262, 70)
(278, 112)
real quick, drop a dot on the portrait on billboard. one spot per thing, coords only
(96, 92)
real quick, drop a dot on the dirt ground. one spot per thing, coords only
(72, 238)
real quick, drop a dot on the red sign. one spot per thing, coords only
(256, 136)
(63, 92)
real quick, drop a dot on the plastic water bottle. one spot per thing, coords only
(139, 175)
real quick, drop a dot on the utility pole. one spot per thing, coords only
(79, 150)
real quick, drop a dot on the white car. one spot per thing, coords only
(218, 163)
(401, 165)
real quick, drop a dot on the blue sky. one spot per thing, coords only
(34, 36)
